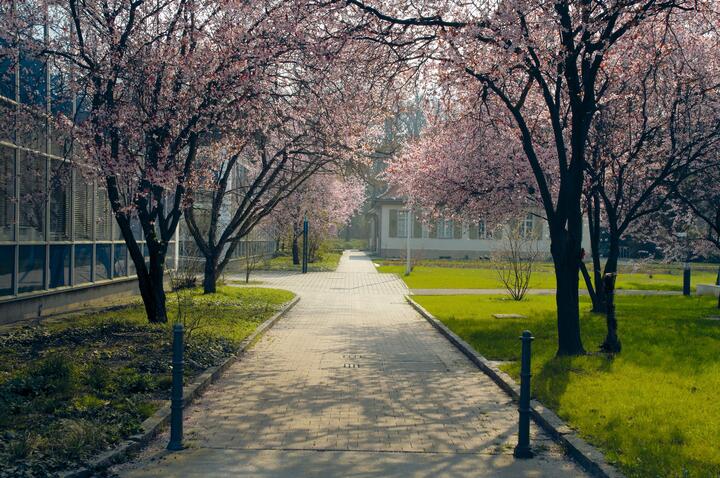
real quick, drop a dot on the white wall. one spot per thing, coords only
(471, 247)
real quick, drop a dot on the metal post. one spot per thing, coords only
(408, 230)
(305, 246)
(686, 279)
(176, 399)
(522, 450)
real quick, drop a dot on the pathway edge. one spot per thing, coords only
(153, 425)
(589, 457)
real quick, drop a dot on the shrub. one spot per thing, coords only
(73, 439)
(55, 374)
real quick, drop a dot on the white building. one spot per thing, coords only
(390, 222)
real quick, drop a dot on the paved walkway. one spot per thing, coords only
(352, 382)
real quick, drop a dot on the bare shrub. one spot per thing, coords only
(515, 260)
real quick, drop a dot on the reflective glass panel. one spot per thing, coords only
(120, 261)
(31, 268)
(7, 261)
(32, 196)
(59, 265)
(83, 263)
(103, 262)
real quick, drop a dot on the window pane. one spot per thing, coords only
(82, 207)
(7, 261)
(103, 263)
(131, 264)
(103, 218)
(7, 121)
(7, 72)
(31, 268)
(59, 266)
(60, 217)
(120, 264)
(136, 228)
(7, 193)
(32, 170)
(83, 263)
(33, 80)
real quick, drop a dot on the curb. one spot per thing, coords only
(152, 426)
(586, 455)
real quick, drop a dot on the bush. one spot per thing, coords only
(71, 439)
(53, 375)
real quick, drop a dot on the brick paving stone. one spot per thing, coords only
(352, 382)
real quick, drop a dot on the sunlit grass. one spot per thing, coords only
(437, 277)
(327, 262)
(652, 409)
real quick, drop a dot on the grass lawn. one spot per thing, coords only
(652, 409)
(75, 385)
(328, 261)
(438, 277)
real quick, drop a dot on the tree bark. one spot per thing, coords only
(151, 281)
(612, 342)
(566, 258)
(211, 274)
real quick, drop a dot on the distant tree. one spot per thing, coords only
(328, 202)
(543, 65)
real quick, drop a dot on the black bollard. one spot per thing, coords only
(522, 450)
(176, 397)
(306, 228)
(686, 279)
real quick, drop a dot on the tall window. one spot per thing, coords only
(402, 225)
(60, 214)
(83, 210)
(526, 227)
(32, 197)
(7, 193)
(445, 229)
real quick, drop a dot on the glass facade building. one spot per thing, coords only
(56, 227)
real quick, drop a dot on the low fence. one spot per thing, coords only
(254, 250)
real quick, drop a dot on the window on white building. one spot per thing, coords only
(445, 229)
(402, 223)
(526, 228)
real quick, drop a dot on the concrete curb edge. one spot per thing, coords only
(152, 426)
(589, 457)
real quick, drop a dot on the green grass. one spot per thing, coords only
(75, 385)
(652, 409)
(438, 277)
(328, 261)
(339, 245)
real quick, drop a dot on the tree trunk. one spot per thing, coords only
(612, 342)
(151, 285)
(598, 300)
(566, 257)
(295, 250)
(211, 275)
(613, 256)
